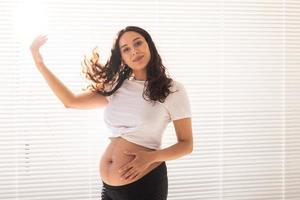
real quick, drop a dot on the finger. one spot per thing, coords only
(134, 175)
(126, 167)
(123, 174)
(122, 169)
(38, 37)
(125, 171)
(130, 153)
(128, 173)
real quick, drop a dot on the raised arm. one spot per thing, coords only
(85, 100)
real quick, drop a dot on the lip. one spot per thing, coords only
(137, 58)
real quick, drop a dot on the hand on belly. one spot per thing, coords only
(135, 164)
(141, 161)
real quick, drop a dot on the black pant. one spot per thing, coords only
(152, 186)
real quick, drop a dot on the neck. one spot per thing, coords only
(140, 76)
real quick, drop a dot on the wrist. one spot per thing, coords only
(153, 156)
(38, 59)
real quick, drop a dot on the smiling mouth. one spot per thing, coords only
(138, 58)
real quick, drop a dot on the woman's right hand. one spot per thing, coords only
(35, 47)
(38, 42)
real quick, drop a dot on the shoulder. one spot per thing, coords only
(177, 86)
(177, 102)
(177, 92)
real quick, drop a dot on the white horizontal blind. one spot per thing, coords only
(291, 150)
(239, 61)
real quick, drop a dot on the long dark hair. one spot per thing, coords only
(104, 76)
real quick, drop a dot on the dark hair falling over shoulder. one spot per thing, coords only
(104, 76)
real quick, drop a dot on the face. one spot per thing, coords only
(134, 50)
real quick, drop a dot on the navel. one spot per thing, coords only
(110, 161)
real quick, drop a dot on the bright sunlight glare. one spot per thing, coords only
(30, 20)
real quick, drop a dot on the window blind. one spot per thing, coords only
(238, 60)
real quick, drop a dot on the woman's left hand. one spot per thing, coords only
(141, 162)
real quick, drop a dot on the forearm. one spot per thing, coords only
(172, 152)
(59, 89)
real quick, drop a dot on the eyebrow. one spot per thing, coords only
(132, 41)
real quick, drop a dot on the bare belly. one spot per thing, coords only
(114, 158)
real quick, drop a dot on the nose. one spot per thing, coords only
(134, 51)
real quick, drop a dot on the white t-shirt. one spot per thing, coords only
(131, 117)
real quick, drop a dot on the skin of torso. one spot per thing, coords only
(114, 158)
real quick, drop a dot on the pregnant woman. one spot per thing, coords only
(139, 100)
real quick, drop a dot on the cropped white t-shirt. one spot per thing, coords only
(130, 116)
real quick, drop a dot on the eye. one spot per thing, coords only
(138, 43)
(126, 49)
